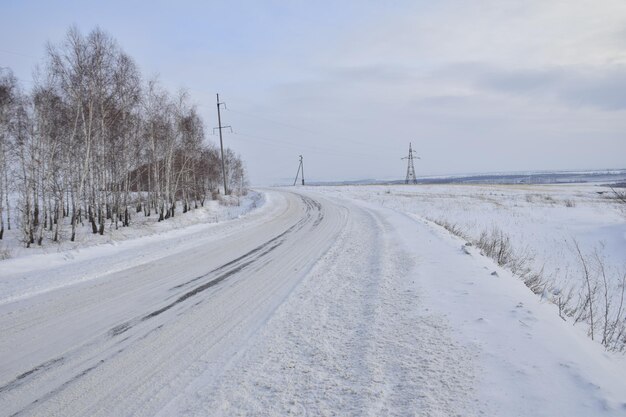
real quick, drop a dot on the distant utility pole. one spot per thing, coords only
(300, 168)
(410, 168)
(220, 127)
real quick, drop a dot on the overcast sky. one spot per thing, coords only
(476, 86)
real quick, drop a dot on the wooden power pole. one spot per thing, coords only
(220, 127)
(300, 168)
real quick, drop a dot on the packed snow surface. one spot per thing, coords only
(326, 301)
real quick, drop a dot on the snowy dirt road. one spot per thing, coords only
(316, 305)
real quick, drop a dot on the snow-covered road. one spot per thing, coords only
(314, 305)
(125, 343)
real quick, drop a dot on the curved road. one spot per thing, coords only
(126, 343)
(305, 307)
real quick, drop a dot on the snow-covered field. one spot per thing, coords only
(543, 224)
(328, 301)
(542, 220)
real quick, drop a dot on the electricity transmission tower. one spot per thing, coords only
(410, 168)
(220, 127)
(300, 168)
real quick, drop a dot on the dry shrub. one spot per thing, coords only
(453, 228)
(497, 245)
(595, 300)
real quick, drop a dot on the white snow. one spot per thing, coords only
(352, 339)
(55, 265)
(348, 301)
(536, 217)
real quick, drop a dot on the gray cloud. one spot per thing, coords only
(600, 88)
(372, 73)
(604, 90)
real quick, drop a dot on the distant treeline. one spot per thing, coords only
(92, 143)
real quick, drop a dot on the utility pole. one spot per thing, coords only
(410, 168)
(300, 168)
(220, 127)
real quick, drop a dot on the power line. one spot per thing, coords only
(275, 122)
(303, 129)
(314, 149)
(17, 53)
(280, 123)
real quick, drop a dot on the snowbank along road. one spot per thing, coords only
(313, 306)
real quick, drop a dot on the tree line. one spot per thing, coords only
(92, 144)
